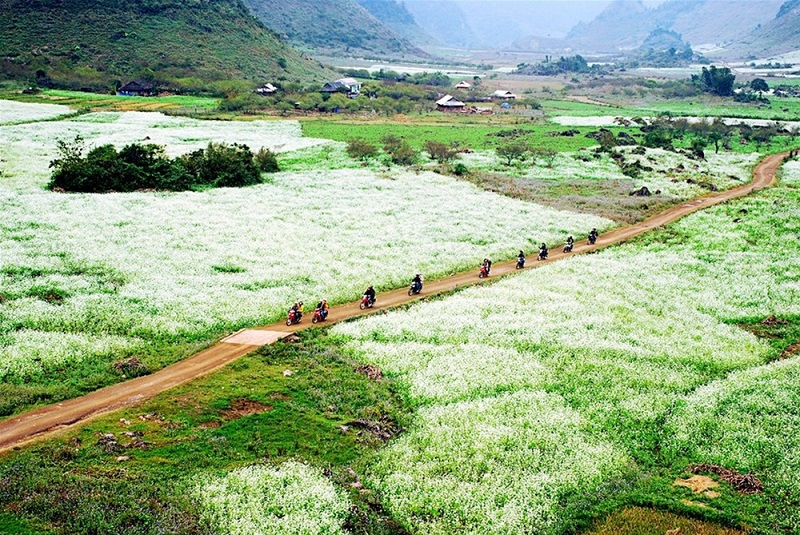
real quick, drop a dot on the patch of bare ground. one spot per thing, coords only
(744, 483)
(244, 407)
(791, 351)
(699, 485)
(611, 199)
(643, 521)
(372, 372)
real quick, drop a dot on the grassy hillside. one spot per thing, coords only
(397, 17)
(96, 43)
(332, 26)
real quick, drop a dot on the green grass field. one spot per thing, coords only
(473, 135)
(80, 100)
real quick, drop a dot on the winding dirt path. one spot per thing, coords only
(46, 421)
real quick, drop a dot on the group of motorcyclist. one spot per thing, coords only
(368, 298)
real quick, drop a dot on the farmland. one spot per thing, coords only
(541, 402)
(91, 280)
(649, 365)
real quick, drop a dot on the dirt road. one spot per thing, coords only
(46, 421)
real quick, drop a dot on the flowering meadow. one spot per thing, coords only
(91, 278)
(549, 392)
(291, 499)
(12, 112)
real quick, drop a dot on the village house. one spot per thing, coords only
(449, 103)
(266, 89)
(502, 94)
(136, 88)
(464, 85)
(351, 86)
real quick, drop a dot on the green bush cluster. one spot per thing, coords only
(137, 166)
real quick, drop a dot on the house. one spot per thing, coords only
(266, 89)
(136, 88)
(449, 103)
(351, 86)
(464, 85)
(504, 95)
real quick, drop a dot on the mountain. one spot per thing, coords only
(445, 21)
(625, 24)
(180, 43)
(332, 27)
(396, 16)
(777, 36)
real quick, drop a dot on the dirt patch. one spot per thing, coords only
(772, 321)
(744, 483)
(791, 351)
(690, 503)
(244, 407)
(697, 484)
(372, 372)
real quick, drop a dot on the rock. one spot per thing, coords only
(288, 373)
(123, 458)
(644, 191)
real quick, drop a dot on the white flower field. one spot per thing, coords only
(536, 392)
(133, 268)
(12, 112)
(535, 404)
(292, 499)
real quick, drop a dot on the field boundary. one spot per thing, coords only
(49, 420)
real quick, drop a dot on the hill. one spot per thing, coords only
(397, 17)
(93, 44)
(625, 24)
(777, 36)
(332, 27)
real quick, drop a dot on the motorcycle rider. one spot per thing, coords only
(569, 245)
(593, 236)
(543, 251)
(521, 258)
(417, 282)
(299, 311)
(487, 265)
(370, 293)
(293, 311)
(323, 307)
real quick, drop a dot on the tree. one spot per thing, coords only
(513, 150)
(718, 81)
(361, 149)
(440, 152)
(760, 86)
(399, 150)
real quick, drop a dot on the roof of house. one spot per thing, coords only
(504, 93)
(463, 84)
(266, 88)
(449, 101)
(137, 85)
(348, 81)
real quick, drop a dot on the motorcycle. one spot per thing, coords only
(592, 238)
(520, 262)
(415, 288)
(484, 272)
(318, 316)
(543, 254)
(366, 302)
(568, 247)
(293, 318)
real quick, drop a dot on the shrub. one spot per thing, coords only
(138, 166)
(360, 149)
(440, 152)
(266, 161)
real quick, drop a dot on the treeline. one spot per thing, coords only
(146, 167)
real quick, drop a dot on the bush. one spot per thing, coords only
(138, 166)
(360, 149)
